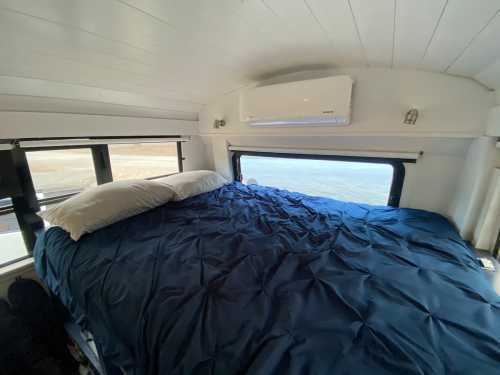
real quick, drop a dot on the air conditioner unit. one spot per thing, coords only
(324, 101)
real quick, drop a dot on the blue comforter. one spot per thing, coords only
(254, 280)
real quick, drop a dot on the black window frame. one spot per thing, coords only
(25, 203)
(398, 167)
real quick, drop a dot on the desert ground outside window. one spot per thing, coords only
(143, 160)
(61, 172)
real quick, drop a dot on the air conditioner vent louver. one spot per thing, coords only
(324, 101)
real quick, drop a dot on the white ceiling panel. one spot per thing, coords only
(105, 19)
(483, 51)
(246, 37)
(415, 23)
(161, 54)
(296, 14)
(108, 19)
(221, 30)
(18, 62)
(63, 37)
(375, 22)
(336, 19)
(196, 85)
(298, 30)
(38, 37)
(461, 22)
(137, 34)
(490, 76)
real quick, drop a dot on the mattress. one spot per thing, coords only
(256, 280)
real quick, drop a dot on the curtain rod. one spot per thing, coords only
(362, 153)
(100, 141)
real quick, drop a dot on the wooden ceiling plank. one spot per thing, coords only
(415, 22)
(375, 22)
(482, 51)
(490, 76)
(462, 20)
(336, 20)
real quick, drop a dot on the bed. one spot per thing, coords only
(256, 280)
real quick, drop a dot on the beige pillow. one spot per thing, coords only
(188, 184)
(106, 204)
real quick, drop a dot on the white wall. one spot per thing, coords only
(429, 183)
(469, 203)
(449, 106)
(482, 156)
(488, 224)
(36, 124)
(453, 113)
(195, 154)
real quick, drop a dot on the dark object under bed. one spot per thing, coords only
(254, 280)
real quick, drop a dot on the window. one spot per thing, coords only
(354, 179)
(55, 174)
(143, 160)
(8, 221)
(61, 172)
(13, 247)
(11, 239)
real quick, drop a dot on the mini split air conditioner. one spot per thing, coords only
(324, 101)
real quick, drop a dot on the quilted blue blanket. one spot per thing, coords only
(255, 280)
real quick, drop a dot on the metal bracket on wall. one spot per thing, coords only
(219, 123)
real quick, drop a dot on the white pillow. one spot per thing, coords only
(106, 204)
(188, 184)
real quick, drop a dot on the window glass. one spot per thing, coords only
(13, 247)
(8, 223)
(11, 240)
(360, 182)
(58, 172)
(143, 160)
(5, 202)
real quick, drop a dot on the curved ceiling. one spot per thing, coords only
(169, 57)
